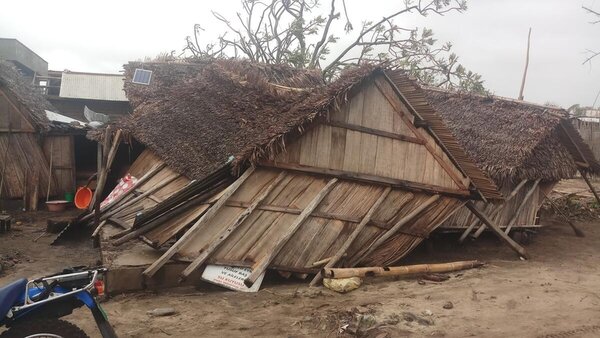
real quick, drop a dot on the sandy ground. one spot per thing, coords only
(555, 294)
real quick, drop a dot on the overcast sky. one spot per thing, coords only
(490, 37)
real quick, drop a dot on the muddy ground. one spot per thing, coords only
(555, 294)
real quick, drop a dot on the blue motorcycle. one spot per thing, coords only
(34, 308)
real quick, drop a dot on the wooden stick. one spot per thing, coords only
(148, 175)
(139, 197)
(493, 214)
(259, 267)
(526, 66)
(514, 245)
(577, 231)
(399, 270)
(152, 269)
(521, 206)
(35, 184)
(113, 149)
(225, 233)
(50, 169)
(98, 228)
(387, 235)
(590, 185)
(359, 228)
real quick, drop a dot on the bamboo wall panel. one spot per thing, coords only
(63, 161)
(463, 218)
(11, 116)
(323, 232)
(590, 132)
(23, 158)
(333, 146)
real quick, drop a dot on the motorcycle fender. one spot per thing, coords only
(86, 298)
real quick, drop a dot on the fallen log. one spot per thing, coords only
(399, 270)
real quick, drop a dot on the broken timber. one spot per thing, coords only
(587, 181)
(231, 228)
(514, 245)
(399, 270)
(521, 206)
(152, 269)
(259, 267)
(342, 251)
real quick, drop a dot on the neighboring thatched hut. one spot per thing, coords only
(525, 148)
(288, 172)
(27, 140)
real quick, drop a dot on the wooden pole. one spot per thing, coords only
(514, 245)
(497, 209)
(342, 251)
(236, 223)
(152, 269)
(50, 169)
(35, 185)
(577, 231)
(589, 183)
(259, 267)
(392, 231)
(526, 66)
(399, 270)
(513, 219)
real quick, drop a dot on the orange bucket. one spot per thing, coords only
(83, 197)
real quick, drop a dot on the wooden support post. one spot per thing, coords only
(521, 206)
(494, 212)
(577, 231)
(399, 270)
(388, 234)
(514, 245)
(259, 267)
(359, 228)
(237, 222)
(589, 183)
(50, 169)
(152, 269)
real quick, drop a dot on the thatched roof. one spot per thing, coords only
(512, 140)
(23, 90)
(198, 116)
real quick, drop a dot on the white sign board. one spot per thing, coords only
(231, 277)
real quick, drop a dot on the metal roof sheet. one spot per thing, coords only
(108, 87)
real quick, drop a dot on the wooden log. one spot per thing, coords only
(399, 270)
(359, 228)
(514, 245)
(35, 185)
(577, 231)
(261, 265)
(396, 228)
(154, 267)
(225, 233)
(513, 219)
(494, 212)
(587, 181)
(113, 149)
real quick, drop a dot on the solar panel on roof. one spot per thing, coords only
(142, 76)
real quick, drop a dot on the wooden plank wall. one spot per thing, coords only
(23, 158)
(325, 230)
(590, 132)
(368, 136)
(464, 217)
(63, 161)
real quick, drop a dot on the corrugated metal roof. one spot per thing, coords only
(108, 87)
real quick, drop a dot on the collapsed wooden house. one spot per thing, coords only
(37, 151)
(525, 148)
(265, 167)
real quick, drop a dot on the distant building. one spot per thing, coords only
(70, 92)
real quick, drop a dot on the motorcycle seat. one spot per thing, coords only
(9, 294)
